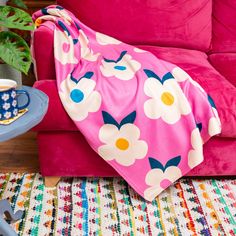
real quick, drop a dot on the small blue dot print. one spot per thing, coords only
(76, 95)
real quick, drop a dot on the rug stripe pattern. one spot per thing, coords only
(108, 206)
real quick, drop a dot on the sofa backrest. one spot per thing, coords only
(178, 23)
(224, 26)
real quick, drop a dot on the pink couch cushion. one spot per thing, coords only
(178, 23)
(224, 26)
(225, 63)
(65, 146)
(194, 62)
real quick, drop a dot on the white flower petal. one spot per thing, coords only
(170, 114)
(135, 149)
(214, 127)
(107, 152)
(86, 52)
(107, 69)
(130, 132)
(151, 192)
(196, 139)
(195, 157)
(172, 173)
(105, 39)
(154, 177)
(179, 74)
(108, 133)
(67, 84)
(138, 150)
(62, 55)
(152, 109)
(86, 86)
(153, 88)
(131, 66)
(91, 101)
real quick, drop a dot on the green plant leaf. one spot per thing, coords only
(15, 51)
(11, 17)
(18, 3)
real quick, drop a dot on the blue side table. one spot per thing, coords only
(36, 111)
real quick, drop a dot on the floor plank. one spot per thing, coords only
(19, 154)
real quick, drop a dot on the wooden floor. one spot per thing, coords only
(19, 154)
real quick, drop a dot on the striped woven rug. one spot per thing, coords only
(108, 206)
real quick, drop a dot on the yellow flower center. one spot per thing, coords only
(167, 98)
(122, 144)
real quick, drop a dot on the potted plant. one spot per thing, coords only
(14, 51)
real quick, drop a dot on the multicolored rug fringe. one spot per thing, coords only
(108, 206)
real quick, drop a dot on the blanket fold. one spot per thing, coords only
(144, 116)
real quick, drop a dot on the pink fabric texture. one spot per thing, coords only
(181, 23)
(225, 63)
(139, 113)
(224, 26)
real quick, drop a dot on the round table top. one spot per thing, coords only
(36, 110)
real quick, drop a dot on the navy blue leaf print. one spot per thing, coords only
(166, 77)
(62, 25)
(173, 162)
(199, 126)
(129, 119)
(211, 101)
(88, 75)
(108, 119)
(151, 74)
(119, 59)
(155, 164)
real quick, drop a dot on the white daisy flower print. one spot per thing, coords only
(13, 94)
(121, 141)
(124, 68)
(6, 106)
(86, 52)
(195, 155)
(60, 12)
(64, 50)
(79, 97)
(15, 112)
(181, 75)
(14, 103)
(167, 100)
(7, 115)
(160, 177)
(5, 97)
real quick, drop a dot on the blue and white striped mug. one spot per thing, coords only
(9, 106)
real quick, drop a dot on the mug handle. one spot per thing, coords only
(18, 92)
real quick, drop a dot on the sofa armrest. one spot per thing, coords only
(43, 51)
(56, 118)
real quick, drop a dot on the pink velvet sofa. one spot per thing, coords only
(198, 36)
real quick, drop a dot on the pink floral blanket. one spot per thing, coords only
(144, 116)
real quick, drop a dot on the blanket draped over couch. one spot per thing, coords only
(144, 116)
